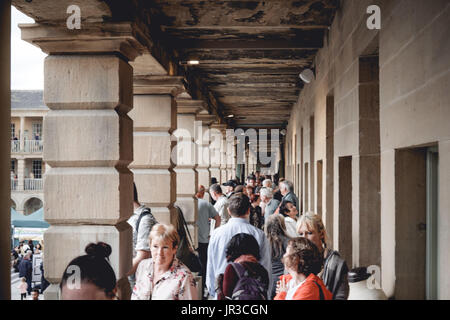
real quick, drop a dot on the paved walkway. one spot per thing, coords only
(15, 292)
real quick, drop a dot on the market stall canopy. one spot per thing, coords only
(34, 220)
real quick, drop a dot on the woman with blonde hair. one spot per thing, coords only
(335, 271)
(163, 276)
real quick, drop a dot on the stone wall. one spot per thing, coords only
(408, 107)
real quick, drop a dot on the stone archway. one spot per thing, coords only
(13, 204)
(31, 205)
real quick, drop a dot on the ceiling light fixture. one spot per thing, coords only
(230, 116)
(189, 63)
(307, 75)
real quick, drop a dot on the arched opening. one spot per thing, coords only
(13, 204)
(32, 205)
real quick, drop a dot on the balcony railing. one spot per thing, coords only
(14, 183)
(32, 146)
(33, 184)
(15, 146)
(29, 146)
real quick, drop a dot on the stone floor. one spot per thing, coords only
(15, 292)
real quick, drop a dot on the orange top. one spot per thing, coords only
(308, 290)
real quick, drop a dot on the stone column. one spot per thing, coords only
(234, 160)
(155, 118)
(220, 144)
(229, 153)
(5, 147)
(89, 144)
(22, 136)
(20, 174)
(187, 176)
(247, 164)
(203, 140)
(223, 158)
(215, 150)
(251, 162)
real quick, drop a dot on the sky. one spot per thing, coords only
(27, 61)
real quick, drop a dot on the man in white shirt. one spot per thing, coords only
(221, 204)
(239, 209)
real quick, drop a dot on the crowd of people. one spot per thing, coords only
(253, 244)
(22, 262)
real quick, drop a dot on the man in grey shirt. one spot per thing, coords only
(270, 204)
(142, 222)
(206, 212)
(287, 190)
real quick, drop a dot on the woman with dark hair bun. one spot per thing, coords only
(90, 277)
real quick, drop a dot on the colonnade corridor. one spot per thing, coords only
(348, 100)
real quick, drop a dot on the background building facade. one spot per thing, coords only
(27, 165)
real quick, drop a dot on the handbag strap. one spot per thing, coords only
(181, 216)
(145, 212)
(320, 291)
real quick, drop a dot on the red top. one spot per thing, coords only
(308, 290)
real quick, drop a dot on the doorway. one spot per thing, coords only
(345, 209)
(416, 203)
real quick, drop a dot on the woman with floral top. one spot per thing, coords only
(163, 276)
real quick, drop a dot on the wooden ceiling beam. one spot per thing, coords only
(306, 44)
(246, 55)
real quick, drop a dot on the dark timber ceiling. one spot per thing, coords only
(250, 52)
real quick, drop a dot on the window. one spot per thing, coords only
(13, 165)
(37, 130)
(13, 130)
(37, 169)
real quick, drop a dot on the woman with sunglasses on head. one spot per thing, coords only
(335, 271)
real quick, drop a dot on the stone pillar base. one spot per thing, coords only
(52, 292)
